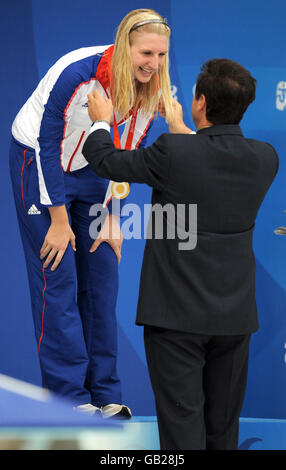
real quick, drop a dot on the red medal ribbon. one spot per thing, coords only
(103, 74)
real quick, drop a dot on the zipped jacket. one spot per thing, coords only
(55, 122)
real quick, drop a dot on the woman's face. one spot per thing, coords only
(148, 52)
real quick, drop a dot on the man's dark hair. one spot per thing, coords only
(229, 89)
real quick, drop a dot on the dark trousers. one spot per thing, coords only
(199, 384)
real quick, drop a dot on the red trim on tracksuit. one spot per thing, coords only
(22, 171)
(107, 202)
(76, 149)
(43, 311)
(43, 271)
(65, 115)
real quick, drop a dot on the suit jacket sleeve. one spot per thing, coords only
(147, 165)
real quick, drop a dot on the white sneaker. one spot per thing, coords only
(115, 411)
(88, 408)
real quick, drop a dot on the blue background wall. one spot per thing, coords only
(34, 34)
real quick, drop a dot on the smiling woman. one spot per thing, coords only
(148, 51)
(140, 63)
(74, 285)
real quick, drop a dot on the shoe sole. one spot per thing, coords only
(123, 415)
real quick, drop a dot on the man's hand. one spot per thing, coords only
(177, 125)
(99, 108)
(111, 234)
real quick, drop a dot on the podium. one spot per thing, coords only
(33, 419)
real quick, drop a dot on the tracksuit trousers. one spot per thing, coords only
(74, 306)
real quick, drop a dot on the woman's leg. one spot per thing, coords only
(58, 326)
(97, 297)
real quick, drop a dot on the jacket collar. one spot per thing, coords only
(221, 129)
(103, 71)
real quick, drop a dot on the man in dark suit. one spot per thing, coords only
(197, 306)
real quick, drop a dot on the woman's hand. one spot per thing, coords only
(99, 108)
(111, 234)
(57, 238)
(55, 244)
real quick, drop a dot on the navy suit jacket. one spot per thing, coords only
(209, 289)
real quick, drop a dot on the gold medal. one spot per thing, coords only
(120, 190)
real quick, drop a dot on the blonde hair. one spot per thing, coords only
(125, 94)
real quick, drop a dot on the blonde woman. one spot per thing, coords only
(74, 282)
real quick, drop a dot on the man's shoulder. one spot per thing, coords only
(177, 143)
(177, 137)
(265, 152)
(261, 146)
